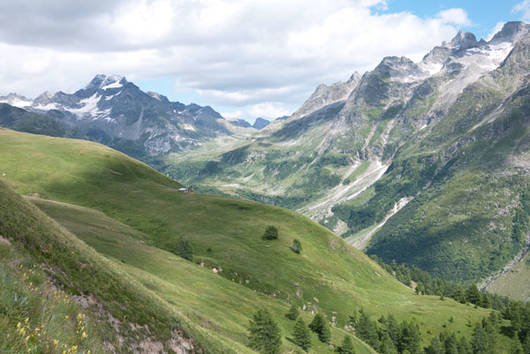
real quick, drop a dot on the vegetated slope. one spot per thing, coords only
(145, 214)
(24, 121)
(435, 150)
(123, 315)
(470, 179)
(514, 282)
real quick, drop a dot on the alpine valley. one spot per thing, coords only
(376, 212)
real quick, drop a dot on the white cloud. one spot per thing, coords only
(234, 53)
(268, 110)
(524, 8)
(456, 16)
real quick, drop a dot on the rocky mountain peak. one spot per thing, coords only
(16, 100)
(102, 81)
(260, 123)
(511, 32)
(463, 41)
(325, 95)
(396, 67)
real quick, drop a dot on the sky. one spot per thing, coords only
(245, 58)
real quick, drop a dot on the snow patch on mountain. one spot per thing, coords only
(16, 100)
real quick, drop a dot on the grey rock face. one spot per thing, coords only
(463, 41)
(241, 123)
(325, 95)
(511, 32)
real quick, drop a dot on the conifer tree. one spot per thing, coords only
(473, 295)
(320, 326)
(386, 345)
(410, 337)
(301, 335)
(296, 247)
(435, 347)
(392, 328)
(347, 346)
(367, 330)
(271, 233)
(264, 336)
(479, 340)
(292, 314)
(450, 343)
(183, 249)
(464, 347)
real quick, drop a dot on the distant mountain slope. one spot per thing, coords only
(115, 112)
(131, 215)
(404, 132)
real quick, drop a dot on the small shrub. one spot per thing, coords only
(183, 249)
(271, 233)
(296, 247)
(292, 314)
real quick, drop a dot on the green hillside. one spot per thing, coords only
(130, 216)
(431, 173)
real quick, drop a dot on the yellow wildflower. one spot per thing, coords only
(83, 335)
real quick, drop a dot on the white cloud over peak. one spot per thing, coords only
(261, 57)
(524, 8)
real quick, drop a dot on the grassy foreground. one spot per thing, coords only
(126, 216)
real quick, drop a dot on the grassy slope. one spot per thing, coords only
(342, 279)
(30, 321)
(80, 270)
(220, 306)
(516, 282)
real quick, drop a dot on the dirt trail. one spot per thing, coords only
(518, 258)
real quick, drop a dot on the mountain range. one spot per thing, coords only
(424, 163)
(410, 167)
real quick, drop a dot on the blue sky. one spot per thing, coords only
(245, 58)
(484, 14)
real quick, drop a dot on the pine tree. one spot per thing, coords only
(347, 346)
(479, 340)
(301, 334)
(183, 249)
(435, 347)
(392, 328)
(296, 247)
(386, 345)
(514, 313)
(264, 334)
(486, 302)
(271, 233)
(464, 347)
(459, 295)
(449, 342)
(367, 330)
(410, 337)
(473, 295)
(526, 344)
(292, 314)
(320, 326)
